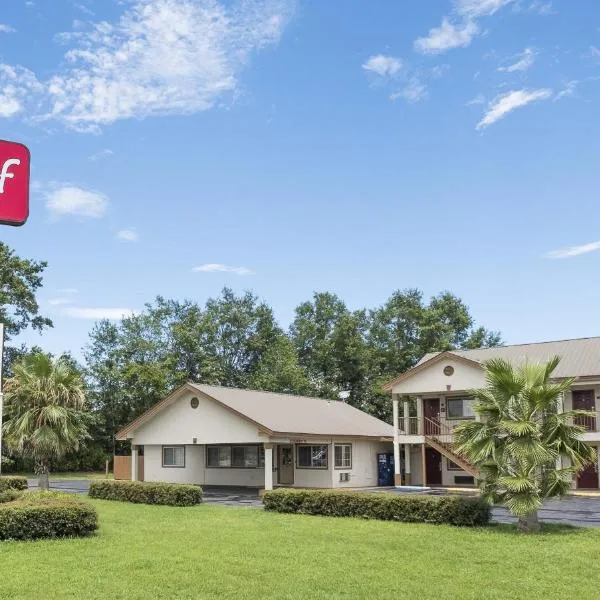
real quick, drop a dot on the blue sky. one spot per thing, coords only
(179, 146)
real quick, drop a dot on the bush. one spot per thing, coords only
(46, 515)
(173, 494)
(9, 496)
(13, 483)
(453, 510)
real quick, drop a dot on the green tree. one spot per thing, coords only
(45, 410)
(20, 279)
(521, 436)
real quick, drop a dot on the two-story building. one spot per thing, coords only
(430, 399)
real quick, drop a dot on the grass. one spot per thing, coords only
(209, 551)
(68, 475)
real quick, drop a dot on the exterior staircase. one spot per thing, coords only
(438, 437)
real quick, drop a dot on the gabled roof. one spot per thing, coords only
(281, 413)
(580, 357)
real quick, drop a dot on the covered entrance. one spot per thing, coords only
(588, 478)
(285, 465)
(431, 412)
(433, 466)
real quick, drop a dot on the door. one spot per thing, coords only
(285, 465)
(431, 412)
(585, 400)
(588, 478)
(433, 466)
(385, 469)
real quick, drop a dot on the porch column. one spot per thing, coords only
(407, 415)
(331, 452)
(420, 425)
(423, 466)
(407, 477)
(134, 462)
(268, 467)
(397, 475)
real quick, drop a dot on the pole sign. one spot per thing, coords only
(14, 183)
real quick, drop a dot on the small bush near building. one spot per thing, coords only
(46, 515)
(9, 495)
(13, 483)
(452, 510)
(172, 494)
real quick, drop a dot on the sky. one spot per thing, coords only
(179, 146)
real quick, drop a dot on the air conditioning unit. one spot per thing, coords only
(344, 477)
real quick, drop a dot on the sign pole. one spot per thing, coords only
(1, 395)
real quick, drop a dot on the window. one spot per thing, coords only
(173, 456)
(238, 457)
(452, 466)
(343, 456)
(460, 408)
(312, 457)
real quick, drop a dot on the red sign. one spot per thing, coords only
(14, 183)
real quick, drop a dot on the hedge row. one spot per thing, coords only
(172, 494)
(13, 483)
(46, 515)
(452, 510)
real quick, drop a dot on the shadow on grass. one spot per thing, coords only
(546, 529)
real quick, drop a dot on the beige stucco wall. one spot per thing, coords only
(364, 464)
(432, 379)
(193, 472)
(210, 423)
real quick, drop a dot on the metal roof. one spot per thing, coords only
(287, 413)
(579, 357)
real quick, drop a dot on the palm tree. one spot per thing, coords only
(522, 438)
(45, 402)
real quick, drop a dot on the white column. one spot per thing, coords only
(407, 416)
(407, 476)
(331, 451)
(268, 467)
(420, 421)
(134, 462)
(397, 475)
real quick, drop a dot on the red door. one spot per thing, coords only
(585, 400)
(433, 467)
(431, 412)
(588, 478)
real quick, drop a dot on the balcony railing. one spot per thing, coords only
(413, 426)
(589, 423)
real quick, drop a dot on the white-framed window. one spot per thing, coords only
(452, 466)
(460, 408)
(173, 456)
(343, 456)
(238, 457)
(311, 457)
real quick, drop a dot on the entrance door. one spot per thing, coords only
(285, 465)
(433, 466)
(588, 478)
(385, 469)
(585, 400)
(431, 412)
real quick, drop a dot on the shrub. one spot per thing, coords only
(9, 496)
(453, 510)
(46, 515)
(173, 494)
(13, 483)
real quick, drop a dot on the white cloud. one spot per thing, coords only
(161, 57)
(384, 66)
(415, 91)
(542, 8)
(508, 102)
(215, 267)
(128, 235)
(72, 200)
(16, 85)
(573, 250)
(479, 8)
(446, 37)
(479, 99)
(6, 28)
(98, 313)
(568, 90)
(60, 301)
(100, 154)
(526, 60)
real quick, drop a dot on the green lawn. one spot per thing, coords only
(149, 552)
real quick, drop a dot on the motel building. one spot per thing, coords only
(432, 398)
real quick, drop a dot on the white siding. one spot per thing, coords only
(193, 472)
(242, 477)
(210, 423)
(432, 379)
(364, 464)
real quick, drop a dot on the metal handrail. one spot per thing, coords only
(436, 428)
(413, 425)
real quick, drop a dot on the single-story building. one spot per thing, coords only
(430, 399)
(221, 436)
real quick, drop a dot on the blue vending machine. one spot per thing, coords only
(385, 469)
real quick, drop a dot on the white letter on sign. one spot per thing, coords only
(4, 175)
